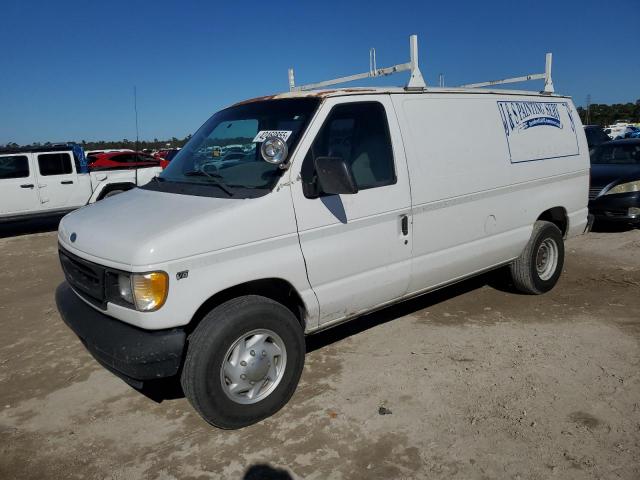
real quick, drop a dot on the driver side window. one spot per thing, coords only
(358, 133)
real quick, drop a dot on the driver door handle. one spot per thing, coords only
(27, 185)
(404, 222)
(66, 182)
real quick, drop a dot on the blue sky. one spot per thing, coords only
(67, 68)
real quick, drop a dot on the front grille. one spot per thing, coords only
(593, 192)
(86, 278)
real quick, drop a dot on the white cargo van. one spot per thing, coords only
(352, 200)
(43, 181)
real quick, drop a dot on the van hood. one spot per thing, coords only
(142, 227)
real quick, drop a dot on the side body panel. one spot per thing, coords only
(474, 205)
(83, 190)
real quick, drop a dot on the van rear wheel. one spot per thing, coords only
(539, 266)
(244, 361)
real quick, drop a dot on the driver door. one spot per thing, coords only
(356, 247)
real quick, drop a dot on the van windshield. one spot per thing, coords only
(223, 157)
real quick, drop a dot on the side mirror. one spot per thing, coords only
(335, 176)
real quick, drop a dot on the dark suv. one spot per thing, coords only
(614, 193)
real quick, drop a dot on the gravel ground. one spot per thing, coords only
(470, 382)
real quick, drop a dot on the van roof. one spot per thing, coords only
(339, 92)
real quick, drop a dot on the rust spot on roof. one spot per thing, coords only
(308, 93)
(350, 90)
(326, 93)
(320, 93)
(256, 99)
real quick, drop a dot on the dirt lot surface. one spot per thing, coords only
(479, 382)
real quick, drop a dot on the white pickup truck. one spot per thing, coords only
(50, 180)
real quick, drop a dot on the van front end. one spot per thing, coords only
(199, 274)
(140, 265)
(133, 354)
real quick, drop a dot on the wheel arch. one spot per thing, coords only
(124, 186)
(276, 289)
(557, 216)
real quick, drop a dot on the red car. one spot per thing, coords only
(122, 160)
(167, 154)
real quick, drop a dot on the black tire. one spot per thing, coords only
(524, 270)
(211, 340)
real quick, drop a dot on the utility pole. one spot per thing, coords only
(441, 80)
(135, 109)
(588, 119)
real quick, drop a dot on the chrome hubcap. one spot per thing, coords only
(253, 366)
(547, 259)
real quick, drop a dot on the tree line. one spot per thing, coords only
(602, 114)
(596, 114)
(154, 144)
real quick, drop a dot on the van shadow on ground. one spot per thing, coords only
(266, 472)
(498, 279)
(169, 389)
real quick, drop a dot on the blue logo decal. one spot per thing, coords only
(519, 116)
(73, 237)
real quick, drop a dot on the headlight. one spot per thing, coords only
(629, 187)
(145, 292)
(124, 288)
(150, 290)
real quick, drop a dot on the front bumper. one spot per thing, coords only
(615, 208)
(133, 354)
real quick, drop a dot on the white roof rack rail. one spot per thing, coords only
(548, 83)
(415, 80)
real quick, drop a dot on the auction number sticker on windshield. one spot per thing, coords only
(264, 134)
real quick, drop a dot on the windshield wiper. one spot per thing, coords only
(215, 177)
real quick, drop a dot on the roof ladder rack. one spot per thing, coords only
(548, 83)
(415, 80)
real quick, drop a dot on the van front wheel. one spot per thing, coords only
(539, 266)
(243, 361)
